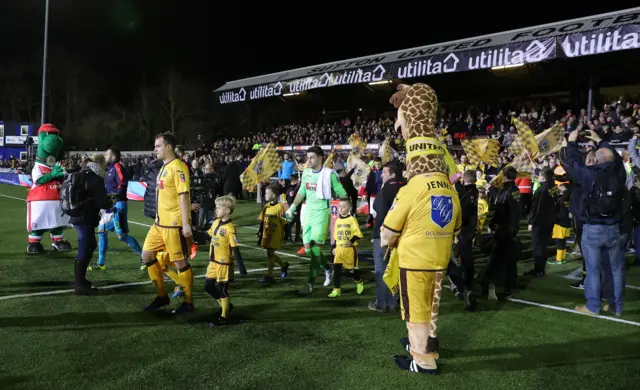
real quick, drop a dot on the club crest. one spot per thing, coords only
(441, 210)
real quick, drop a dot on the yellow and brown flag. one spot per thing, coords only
(482, 150)
(550, 140)
(525, 140)
(386, 152)
(361, 172)
(329, 161)
(263, 165)
(357, 145)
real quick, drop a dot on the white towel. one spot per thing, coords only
(323, 187)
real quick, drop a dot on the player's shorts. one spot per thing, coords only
(560, 232)
(171, 240)
(417, 291)
(221, 272)
(316, 226)
(116, 222)
(347, 256)
(164, 260)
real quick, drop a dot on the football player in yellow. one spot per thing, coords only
(171, 231)
(271, 233)
(222, 253)
(346, 234)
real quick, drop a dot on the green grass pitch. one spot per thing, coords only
(52, 339)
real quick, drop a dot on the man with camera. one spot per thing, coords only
(204, 190)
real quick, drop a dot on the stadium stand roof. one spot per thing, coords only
(614, 31)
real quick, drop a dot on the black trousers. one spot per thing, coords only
(289, 227)
(86, 246)
(465, 246)
(525, 201)
(502, 265)
(540, 237)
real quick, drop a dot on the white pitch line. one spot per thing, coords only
(13, 197)
(111, 286)
(558, 308)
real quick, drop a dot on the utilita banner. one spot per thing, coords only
(601, 41)
(624, 37)
(504, 55)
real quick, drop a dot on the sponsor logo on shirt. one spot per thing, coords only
(441, 210)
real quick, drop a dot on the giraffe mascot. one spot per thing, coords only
(420, 227)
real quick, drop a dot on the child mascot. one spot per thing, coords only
(420, 227)
(43, 202)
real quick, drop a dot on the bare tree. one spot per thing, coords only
(177, 102)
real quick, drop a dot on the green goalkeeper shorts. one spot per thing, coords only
(316, 226)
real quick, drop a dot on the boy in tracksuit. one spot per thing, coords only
(541, 221)
(562, 226)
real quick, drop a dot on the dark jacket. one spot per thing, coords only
(562, 208)
(572, 161)
(506, 209)
(97, 200)
(543, 207)
(383, 202)
(349, 188)
(468, 195)
(231, 178)
(116, 181)
(153, 168)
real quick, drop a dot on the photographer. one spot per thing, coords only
(204, 190)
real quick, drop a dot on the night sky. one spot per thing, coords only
(127, 38)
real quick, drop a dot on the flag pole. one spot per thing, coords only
(44, 63)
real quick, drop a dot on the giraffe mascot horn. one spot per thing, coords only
(427, 204)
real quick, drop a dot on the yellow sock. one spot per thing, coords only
(155, 274)
(559, 256)
(224, 303)
(564, 254)
(186, 278)
(170, 272)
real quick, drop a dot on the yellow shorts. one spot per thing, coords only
(560, 232)
(168, 240)
(347, 256)
(417, 292)
(221, 272)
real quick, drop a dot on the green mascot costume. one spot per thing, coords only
(43, 202)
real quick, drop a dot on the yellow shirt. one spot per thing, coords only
(345, 229)
(223, 239)
(272, 217)
(483, 210)
(427, 213)
(172, 180)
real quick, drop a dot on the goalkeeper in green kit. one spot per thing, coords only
(316, 189)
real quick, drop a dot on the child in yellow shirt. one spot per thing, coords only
(223, 252)
(271, 233)
(346, 233)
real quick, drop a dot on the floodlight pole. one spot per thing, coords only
(44, 62)
(590, 97)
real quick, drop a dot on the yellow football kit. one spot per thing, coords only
(346, 233)
(426, 213)
(223, 240)
(272, 218)
(166, 233)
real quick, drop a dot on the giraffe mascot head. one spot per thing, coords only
(417, 107)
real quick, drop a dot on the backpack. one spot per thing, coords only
(73, 194)
(605, 199)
